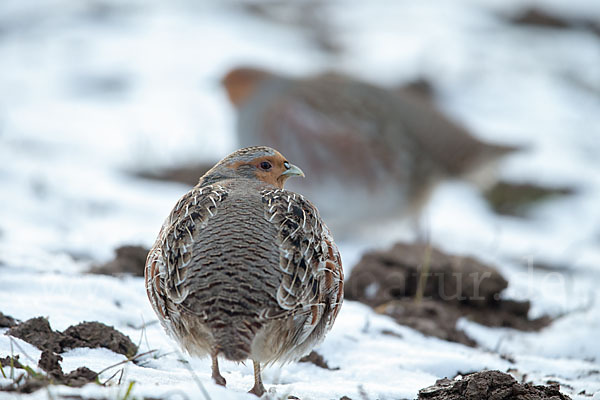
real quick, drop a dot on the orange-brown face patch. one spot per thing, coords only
(272, 176)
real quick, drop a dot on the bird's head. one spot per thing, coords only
(241, 82)
(258, 162)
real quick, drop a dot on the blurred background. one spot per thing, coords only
(97, 97)
(473, 125)
(111, 109)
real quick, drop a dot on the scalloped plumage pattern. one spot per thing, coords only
(245, 270)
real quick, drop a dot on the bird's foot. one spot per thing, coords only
(219, 380)
(258, 389)
(216, 374)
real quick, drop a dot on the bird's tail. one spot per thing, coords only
(233, 339)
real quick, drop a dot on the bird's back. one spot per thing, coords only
(222, 269)
(234, 273)
(238, 261)
(245, 269)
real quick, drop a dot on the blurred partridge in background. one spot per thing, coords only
(371, 153)
(244, 269)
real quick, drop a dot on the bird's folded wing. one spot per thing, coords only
(313, 278)
(167, 262)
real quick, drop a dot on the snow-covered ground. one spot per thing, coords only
(92, 90)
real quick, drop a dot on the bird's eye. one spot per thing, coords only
(286, 165)
(265, 165)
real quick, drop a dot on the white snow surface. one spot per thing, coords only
(92, 90)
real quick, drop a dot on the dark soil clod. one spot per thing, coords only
(490, 385)
(429, 290)
(128, 260)
(432, 318)
(25, 384)
(383, 276)
(37, 331)
(50, 362)
(6, 321)
(538, 17)
(80, 377)
(96, 334)
(8, 360)
(318, 360)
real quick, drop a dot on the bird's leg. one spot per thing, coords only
(258, 388)
(216, 375)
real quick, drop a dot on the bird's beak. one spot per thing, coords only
(293, 171)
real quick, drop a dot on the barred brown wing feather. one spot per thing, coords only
(168, 260)
(312, 282)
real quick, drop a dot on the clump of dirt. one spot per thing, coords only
(429, 290)
(542, 18)
(538, 17)
(6, 321)
(516, 199)
(188, 174)
(429, 317)
(9, 361)
(26, 383)
(385, 275)
(50, 363)
(37, 331)
(128, 260)
(96, 334)
(492, 385)
(318, 360)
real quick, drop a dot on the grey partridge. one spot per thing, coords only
(245, 269)
(371, 153)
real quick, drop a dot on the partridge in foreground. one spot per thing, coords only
(361, 144)
(245, 269)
